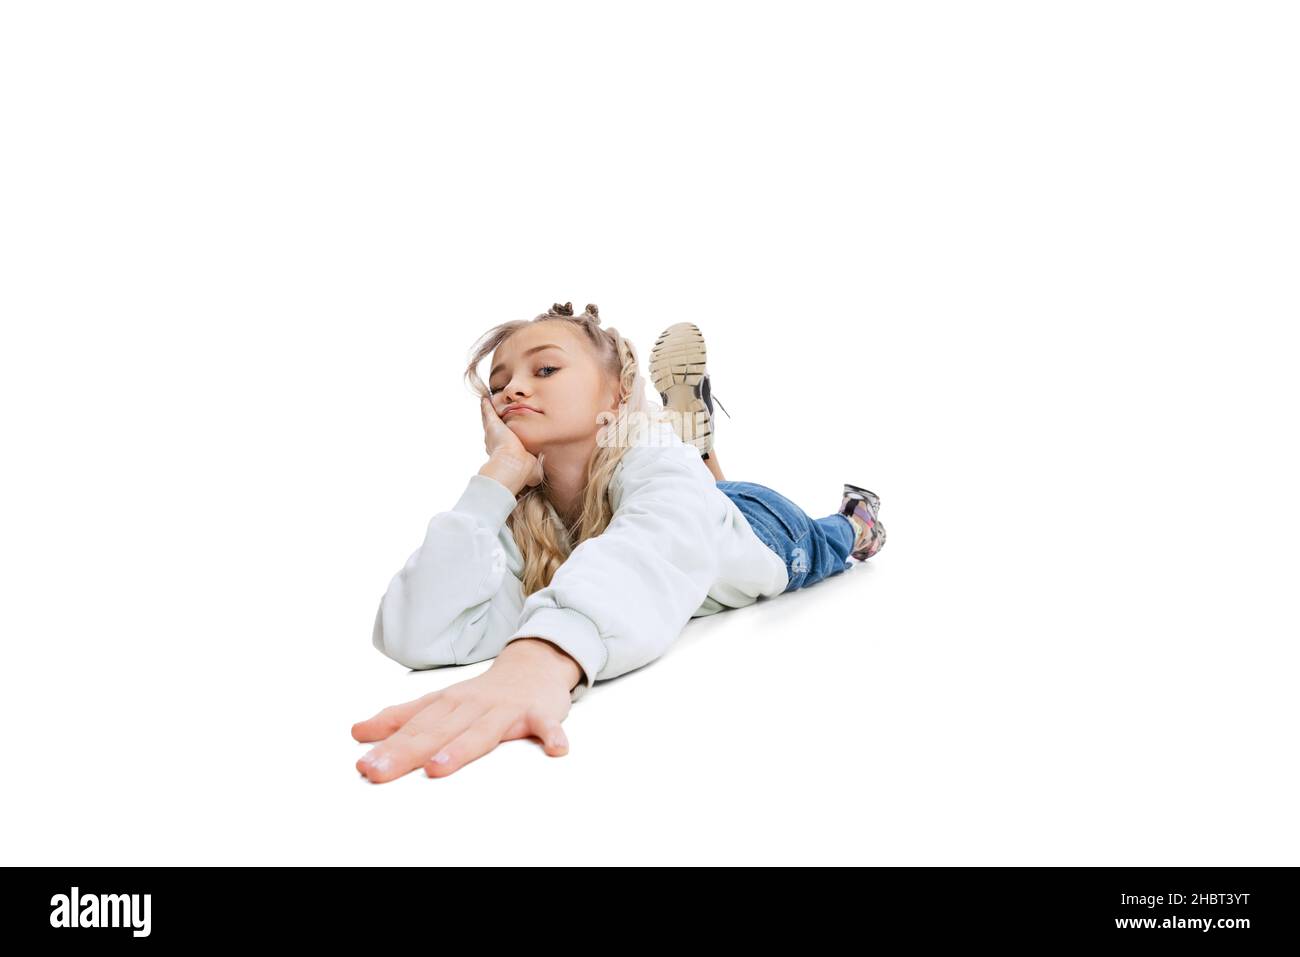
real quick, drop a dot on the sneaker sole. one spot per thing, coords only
(870, 496)
(678, 363)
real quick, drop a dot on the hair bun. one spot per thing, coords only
(558, 310)
(593, 312)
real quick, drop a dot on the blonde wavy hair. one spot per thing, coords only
(543, 538)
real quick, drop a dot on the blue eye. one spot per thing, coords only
(554, 369)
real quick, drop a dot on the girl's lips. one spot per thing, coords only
(520, 409)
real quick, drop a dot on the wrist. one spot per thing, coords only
(509, 470)
(540, 654)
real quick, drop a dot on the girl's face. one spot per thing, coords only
(550, 368)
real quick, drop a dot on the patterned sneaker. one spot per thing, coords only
(861, 506)
(680, 375)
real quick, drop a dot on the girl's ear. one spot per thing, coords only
(615, 394)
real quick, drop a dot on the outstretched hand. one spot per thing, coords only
(445, 730)
(501, 442)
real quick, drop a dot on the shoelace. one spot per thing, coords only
(720, 405)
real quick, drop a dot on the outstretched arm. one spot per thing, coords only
(618, 601)
(524, 694)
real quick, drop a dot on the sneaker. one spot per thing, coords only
(680, 375)
(861, 507)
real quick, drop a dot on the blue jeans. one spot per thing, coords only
(812, 548)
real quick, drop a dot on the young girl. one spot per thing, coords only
(597, 528)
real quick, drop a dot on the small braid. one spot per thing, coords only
(591, 312)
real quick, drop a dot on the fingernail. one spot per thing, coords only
(376, 761)
(442, 757)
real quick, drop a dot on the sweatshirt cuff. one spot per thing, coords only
(487, 500)
(575, 634)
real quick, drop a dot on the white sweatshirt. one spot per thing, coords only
(676, 548)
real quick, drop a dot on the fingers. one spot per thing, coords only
(414, 742)
(391, 718)
(493, 427)
(482, 735)
(551, 733)
(417, 740)
(491, 422)
(444, 741)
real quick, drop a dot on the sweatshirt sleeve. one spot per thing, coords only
(622, 597)
(459, 595)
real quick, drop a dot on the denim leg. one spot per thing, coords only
(812, 549)
(840, 536)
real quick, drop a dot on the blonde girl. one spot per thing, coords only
(599, 525)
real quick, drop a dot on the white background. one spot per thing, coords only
(1027, 270)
